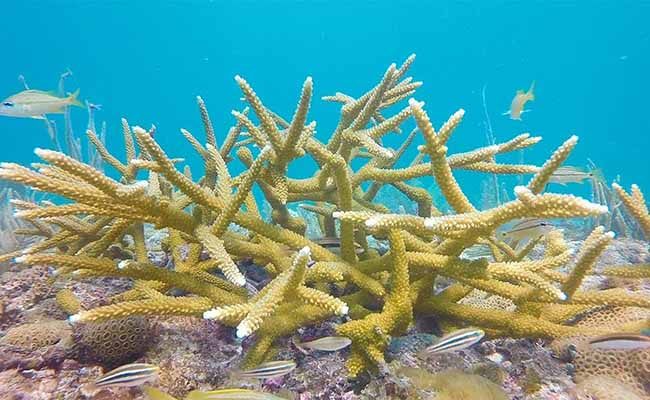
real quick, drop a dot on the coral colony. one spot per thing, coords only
(214, 224)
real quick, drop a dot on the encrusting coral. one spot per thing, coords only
(217, 221)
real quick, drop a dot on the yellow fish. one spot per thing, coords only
(231, 394)
(329, 343)
(36, 103)
(156, 394)
(518, 102)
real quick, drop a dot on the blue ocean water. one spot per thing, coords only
(147, 61)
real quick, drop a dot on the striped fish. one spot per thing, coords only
(271, 369)
(620, 341)
(564, 175)
(231, 394)
(457, 340)
(333, 244)
(128, 375)
(527, 228)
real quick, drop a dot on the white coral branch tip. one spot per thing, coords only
(430, 222)
(305, 252)
(372, 222)
(243, 330)
(74, 318)
(215, 313)
(42, 153)
(239, 280)
(522, 191)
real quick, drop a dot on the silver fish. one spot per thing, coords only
(478, 251)
(231, 394)
(527, 228)
(457, 340)
(564, 175)
(620, 341)
(128, 375)
(328, 343)
(519, 101)
(36, 103)
(271, 369)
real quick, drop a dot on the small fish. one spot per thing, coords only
(518, 102)
(477, 251)
(156, 394)
(271, 369)
(231, 394)
(457, 340)
(328, 343)
(333, 244)
(564, 175)
(128, 375)
(36, 103)
(620, 341)
(527, 228)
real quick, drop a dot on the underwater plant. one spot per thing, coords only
(215, 221)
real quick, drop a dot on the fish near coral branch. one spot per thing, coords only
(636, 205)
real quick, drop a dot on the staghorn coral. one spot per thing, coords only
(214, 221)
(68, 301)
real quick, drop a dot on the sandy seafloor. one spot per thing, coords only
(198, 354)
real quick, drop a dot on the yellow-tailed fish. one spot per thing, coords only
(457, 340)
(36, 103)
(128, 375)
(156, 394)
(518, 102)
(564, 175)
(328, 343)
(620, 341)
(231, 394)
(271, 369)
(527, 228)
